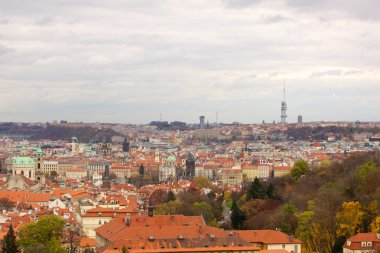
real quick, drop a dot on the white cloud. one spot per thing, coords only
(134, 59)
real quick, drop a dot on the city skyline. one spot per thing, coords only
(130, 61)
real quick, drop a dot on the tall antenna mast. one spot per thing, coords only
(284, 108)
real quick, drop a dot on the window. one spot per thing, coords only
(100, 222)
(283, 246)
(363, 244)
(369, 244)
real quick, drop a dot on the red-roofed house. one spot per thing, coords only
(362, 243)
(271, 240)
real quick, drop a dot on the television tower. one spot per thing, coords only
(283, 109)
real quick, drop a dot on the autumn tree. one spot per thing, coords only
(369, 215)
(326, 203)
(72, 236)
(349, 219)
(375, 225)
(5, 204)
(172, 207)
(202, 182)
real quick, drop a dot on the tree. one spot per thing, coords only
(53, 174)
(300, 168)
(5, 204)
(349, 219)
(270, 191)
(124, 249)
(171, 196)
(237, 217)
(287, 219)
(52, 246)
(172, 207)
(45, 232)
(9, 242)
(304, 230)
(204, 209)
(326, 203)
(73, 238)
(256, 190)
(365, 170)
(375, 225)
(202, 182)
(141, 170)
(369, 215)
(89, 250)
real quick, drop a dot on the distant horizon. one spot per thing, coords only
(187, 123)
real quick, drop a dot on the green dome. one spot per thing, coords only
(22, 160)
(171, 158)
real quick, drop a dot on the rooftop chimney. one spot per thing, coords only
(150, 211)
(127, 220)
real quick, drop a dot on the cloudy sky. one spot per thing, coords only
(130, 60)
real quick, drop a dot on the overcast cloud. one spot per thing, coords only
(130, 60)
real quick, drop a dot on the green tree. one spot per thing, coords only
(171, 196)
(364, 171)
(45, 232)
(204, 209)
(270, 191)
(237, 216)
(52, 246)
(141, 170)
(304, 230)
(256, 190)
(288, 219)
(9, 242)
(300, 168)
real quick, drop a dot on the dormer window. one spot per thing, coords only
(348, 243)
(369, 244)
(364, 244)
